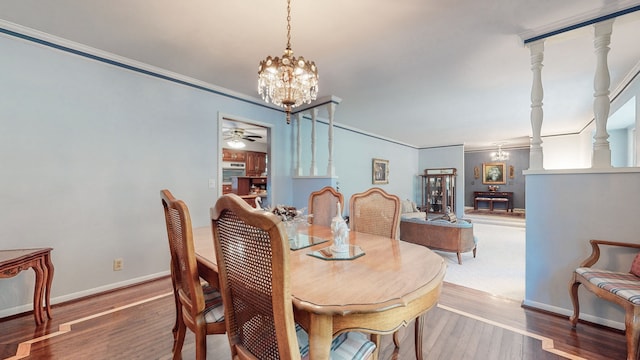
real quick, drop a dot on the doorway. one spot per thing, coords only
(242, 143)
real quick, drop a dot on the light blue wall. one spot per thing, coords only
(353, 156)
(619, 144)
(86, 146)
(564, 211)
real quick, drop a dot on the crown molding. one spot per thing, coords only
(609, 11)
(38, 37)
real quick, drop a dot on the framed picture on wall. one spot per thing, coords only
(380, 171)
(494, 173)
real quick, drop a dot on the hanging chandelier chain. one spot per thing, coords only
(288, 81)
(288, 24)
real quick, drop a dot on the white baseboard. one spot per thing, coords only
(80, 294)
(567, 312)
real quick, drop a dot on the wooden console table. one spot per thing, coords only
(491, 197)
(14, 261)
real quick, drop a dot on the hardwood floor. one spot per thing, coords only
(136, 322)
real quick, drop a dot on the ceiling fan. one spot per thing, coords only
(240, 134)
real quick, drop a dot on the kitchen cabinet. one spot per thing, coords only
(246, 185)
(438, 190)
(226, 189)
(250, 187)
(256, 163)
(233, 155)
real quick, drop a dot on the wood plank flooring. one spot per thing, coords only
(135, 323)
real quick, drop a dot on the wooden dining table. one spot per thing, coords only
(393, 283)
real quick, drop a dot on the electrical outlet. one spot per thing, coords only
(118, 264)
(212, 183)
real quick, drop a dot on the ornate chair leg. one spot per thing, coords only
(632, 331)
(573, 291)
(418, 335)
(396, 339)
(177, 347)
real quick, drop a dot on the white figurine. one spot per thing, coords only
(340, 231)
(258, 202)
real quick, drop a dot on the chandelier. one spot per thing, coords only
(288, 81)
(499, 155)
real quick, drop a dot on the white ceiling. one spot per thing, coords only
(422, 72)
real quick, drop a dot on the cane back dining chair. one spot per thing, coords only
(198, 305)
(323, 205)
(375, 212)
(618, 287)
(252, 253)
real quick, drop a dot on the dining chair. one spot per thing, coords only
(252, 253)
(322, 205)
(198, 305)
(375, 212)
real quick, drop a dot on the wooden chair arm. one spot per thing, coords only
(209, 275)
(595, 250)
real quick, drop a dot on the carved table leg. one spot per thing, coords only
(48, 280)
(38, 293)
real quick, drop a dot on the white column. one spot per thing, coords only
(537, 94)
(601, 151)
(314, 170)
(298, 171)
(331, 170)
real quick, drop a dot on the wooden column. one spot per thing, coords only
(537, 94)
(313, 171)
(298, 170)
(331, 170)
(601, 151)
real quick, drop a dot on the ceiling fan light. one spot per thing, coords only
(236, 144)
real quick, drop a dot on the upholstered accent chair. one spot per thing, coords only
(198, 305)
(375, 212)
(252, 252)
(323, 205)
(622, 288)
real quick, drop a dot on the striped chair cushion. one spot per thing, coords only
(348, 345)
(214, 311)
(624, 285)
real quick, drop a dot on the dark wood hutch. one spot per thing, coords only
(438, 190)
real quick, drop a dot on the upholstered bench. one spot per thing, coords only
(440, 235)
(483, 199)
(505, 201)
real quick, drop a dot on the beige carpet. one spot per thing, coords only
(499, 266)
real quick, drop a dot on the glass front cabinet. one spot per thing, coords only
(438, 190)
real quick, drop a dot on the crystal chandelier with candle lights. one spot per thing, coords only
(288, 81)
(500, 155)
